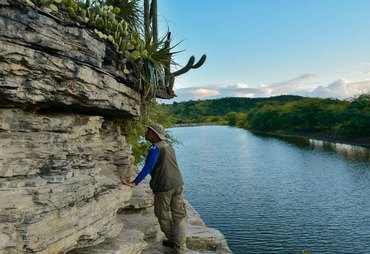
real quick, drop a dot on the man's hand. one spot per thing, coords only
(128, 183)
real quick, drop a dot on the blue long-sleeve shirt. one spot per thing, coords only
(150, 161)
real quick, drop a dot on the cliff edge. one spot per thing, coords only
(62, 152)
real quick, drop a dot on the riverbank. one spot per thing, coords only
(355, 140)
(141, 232)
(329, 137)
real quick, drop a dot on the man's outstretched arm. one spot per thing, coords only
(150, 161)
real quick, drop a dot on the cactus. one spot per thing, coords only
(190, 65)
(154, 16)
(68, 3)
(147, 20)
(53, 7)
(30, 2)
(170, 77)
(135, 54)
(126, 39)
(116, 10)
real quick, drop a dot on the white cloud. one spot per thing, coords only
(240, 85)
(305, 85)
(204, 92)
(249, 95)
(295, 85)
(341, 89)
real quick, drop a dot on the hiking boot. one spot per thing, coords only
(168, 243)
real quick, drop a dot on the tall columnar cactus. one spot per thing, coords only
(151, 20)
(190, 65)
(154, 17)
(170, 77)
(147, 20)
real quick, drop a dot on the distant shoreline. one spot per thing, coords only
(329, 137)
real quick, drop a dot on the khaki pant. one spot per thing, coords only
(169, 208)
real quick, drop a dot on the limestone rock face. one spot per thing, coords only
(58, 182)
(60, 157)
(47, 64)
(141, 233)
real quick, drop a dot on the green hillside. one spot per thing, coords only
(281, 113)
(198, 111)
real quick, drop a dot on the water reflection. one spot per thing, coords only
(277, 195)
(300, 142)
(348, 151)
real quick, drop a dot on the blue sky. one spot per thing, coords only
(262, 48)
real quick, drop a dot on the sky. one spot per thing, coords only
(263, 48)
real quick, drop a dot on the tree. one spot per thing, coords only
(357, 116)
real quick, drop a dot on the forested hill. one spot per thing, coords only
(196, 110)
(281, 113)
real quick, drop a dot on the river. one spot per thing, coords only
(271, 195)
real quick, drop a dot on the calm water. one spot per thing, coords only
(269, 195)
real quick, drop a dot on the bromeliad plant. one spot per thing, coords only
(120, 23)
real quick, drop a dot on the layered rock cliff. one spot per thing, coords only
(62, 153)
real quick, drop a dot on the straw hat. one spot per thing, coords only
(158, 129)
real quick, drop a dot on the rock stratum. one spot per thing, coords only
(62, 151)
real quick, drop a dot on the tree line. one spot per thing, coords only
(286, 113)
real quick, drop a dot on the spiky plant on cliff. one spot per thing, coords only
(133, 33)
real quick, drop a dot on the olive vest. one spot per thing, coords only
(166, 174)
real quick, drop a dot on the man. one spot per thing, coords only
(167, 185)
